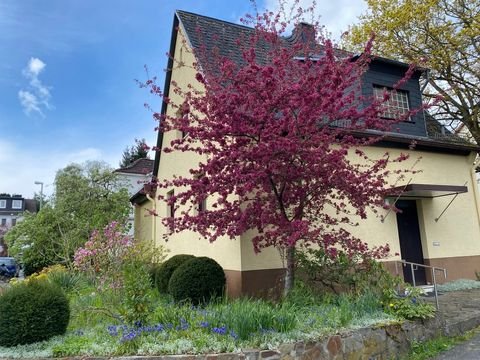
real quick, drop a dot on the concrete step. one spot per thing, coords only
(427, 289)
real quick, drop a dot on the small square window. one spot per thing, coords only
(180, 114)
(397, 104)
(14, 222)
(4, 222)
(3, 204)
(16, 204)
(202, 206)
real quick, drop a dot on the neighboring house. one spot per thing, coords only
(12, 208)
(133, 177)
(440, 220)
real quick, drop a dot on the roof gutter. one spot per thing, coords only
(166, 91)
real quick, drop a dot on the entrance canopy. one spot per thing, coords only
(425, 191)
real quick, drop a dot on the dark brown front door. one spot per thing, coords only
(410, 240)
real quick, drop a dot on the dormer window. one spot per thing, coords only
(16, 204)
(3, 204)
(397, 104)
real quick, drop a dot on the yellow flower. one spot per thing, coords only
(391, 305)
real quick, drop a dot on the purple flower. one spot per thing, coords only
(233, 334)
(183, 325)
(112, 330)
(129, 336)
(204, 324)
(159, 328)
(222, 330)
(137, 324)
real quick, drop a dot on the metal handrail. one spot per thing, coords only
(432, 268)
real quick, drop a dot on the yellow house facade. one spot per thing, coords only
(439, 224)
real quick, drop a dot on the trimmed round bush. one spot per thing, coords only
(165, 271)
(197, 280)
(31, 312)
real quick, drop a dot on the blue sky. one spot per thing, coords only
(68, 70)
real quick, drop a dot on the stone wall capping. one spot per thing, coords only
(380, 342)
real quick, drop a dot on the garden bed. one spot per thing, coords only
(223, 326)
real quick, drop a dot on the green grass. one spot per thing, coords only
(429, 349)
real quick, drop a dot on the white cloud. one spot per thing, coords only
(87, 154)
(27, 165)
(29, 102)
(34, 67)
(336, 15)
(37, 96)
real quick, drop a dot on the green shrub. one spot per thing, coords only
(166, 270)
(34, 262)
(197, 280)
(31, 312)
(68, 281)
(136, 291)
(344, 273)
(409, 306)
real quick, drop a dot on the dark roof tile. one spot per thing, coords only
(139, 166)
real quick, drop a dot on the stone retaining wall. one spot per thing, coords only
(376, 343)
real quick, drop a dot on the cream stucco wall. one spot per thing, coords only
(457, 233)
(224, 250)
(143, 224)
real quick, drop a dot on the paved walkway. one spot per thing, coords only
(461, 311)
(469, 350)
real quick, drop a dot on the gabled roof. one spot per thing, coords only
(139, 166)
(213, 33)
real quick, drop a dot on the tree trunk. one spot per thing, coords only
(290, 271)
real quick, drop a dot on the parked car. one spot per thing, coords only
(8, 267)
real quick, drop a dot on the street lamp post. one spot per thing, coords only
(41, 193)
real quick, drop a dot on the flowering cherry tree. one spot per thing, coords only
(280, 128)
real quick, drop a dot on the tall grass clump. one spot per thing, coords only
(247, 317)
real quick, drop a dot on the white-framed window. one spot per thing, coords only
(396, 105)
(16, 204)
(3, 204)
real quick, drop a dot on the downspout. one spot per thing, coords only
(154, 222)
(473, 177)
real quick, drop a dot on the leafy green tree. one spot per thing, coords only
(86, 197)
(442, 35)
(134, 152)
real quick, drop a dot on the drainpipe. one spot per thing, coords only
(154, 222)
(476, 163)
